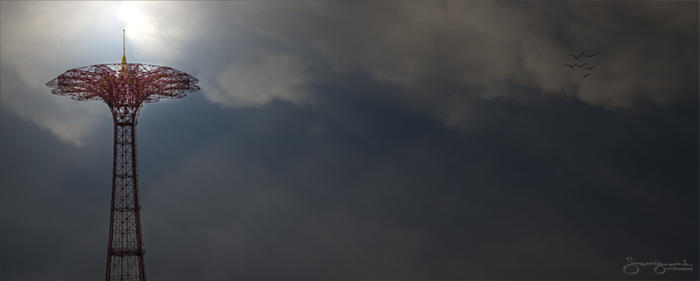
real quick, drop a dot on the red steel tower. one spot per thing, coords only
(124, 87)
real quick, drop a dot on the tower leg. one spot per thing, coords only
(125, 246)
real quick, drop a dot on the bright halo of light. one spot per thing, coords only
(140, 27)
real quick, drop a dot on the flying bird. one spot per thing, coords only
(586, 74)
(579, 55)
(570, 65)
(590, 55)
(589, 67)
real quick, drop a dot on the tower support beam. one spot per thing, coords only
(125, 247)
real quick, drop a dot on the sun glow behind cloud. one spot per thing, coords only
(146, 32)
(40, 40)
(140, 26)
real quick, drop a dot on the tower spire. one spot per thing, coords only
(124, 49)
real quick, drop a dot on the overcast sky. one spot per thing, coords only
(360, 140)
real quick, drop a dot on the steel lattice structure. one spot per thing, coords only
(124, 88)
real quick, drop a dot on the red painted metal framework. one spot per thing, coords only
(124, 87)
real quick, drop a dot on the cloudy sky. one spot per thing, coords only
(360, 140)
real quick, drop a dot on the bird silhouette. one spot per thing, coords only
(590, 55)
(569, 66)
(589, 67)
(579, 55)
(586, 75)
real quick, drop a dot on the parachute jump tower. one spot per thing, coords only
(124, 88)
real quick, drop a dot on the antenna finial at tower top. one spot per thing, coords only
(124, 49)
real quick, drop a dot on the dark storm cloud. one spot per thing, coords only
(330, 159)
(53, 200)
(486, 47)
(416, 201)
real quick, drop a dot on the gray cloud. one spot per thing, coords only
(272, 77)
(247, 54)
(495, 48)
